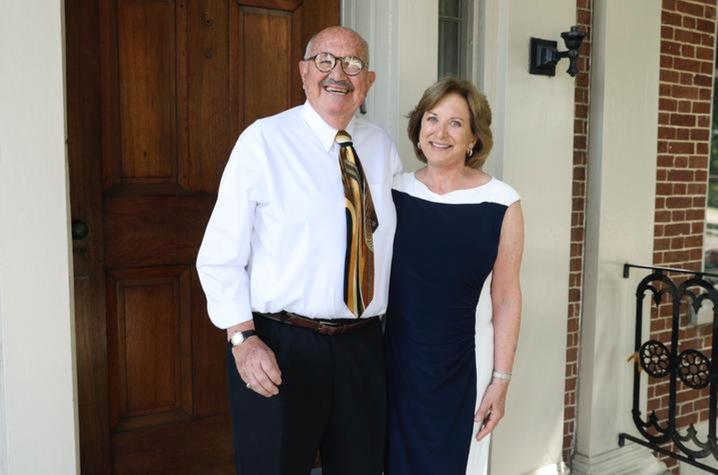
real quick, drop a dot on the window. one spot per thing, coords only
(455, 38)
(711, 231)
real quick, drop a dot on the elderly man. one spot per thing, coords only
(295, 265)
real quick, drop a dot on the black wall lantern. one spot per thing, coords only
(544, 54)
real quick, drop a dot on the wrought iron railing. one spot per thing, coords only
(661, 361)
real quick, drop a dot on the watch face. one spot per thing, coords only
(237, 338)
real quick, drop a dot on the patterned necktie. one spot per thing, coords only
(361, 224)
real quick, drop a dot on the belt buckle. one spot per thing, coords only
(328, 327)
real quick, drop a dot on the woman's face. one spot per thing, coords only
(445, 134)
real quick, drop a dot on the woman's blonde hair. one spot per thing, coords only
(479, 115)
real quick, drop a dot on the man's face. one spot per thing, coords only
(335, 95)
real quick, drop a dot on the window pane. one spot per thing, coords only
(711, 237)
(449, 48)
(451, 8)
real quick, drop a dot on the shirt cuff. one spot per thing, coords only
(225, 315)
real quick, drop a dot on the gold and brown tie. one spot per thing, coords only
(361, 224)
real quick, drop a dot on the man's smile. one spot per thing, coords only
(337, 87)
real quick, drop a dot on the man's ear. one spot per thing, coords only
(372, 78)
(303, 69)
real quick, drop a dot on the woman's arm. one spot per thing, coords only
(506, 308)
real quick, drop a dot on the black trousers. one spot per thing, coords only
(332, 399)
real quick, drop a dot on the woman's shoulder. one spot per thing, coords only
(502, 193)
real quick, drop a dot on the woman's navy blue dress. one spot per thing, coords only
(439, 355)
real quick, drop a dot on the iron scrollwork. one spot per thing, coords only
(691, 366)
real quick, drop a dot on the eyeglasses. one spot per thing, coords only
(325, 62)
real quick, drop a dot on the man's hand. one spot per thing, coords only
(257, 366)
(492, 407)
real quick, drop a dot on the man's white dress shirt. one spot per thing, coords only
(277, 236)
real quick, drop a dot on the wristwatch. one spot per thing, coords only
(238, 338)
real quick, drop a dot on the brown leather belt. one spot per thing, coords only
(325, 327)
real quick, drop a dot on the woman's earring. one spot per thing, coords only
(418, 145)
(469, 152)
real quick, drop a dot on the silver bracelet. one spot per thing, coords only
(501, 375)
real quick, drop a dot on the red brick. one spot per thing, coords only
(682, 134)
(695, 214)
(705, 26)
(702, 80)
(678, 202)
(702, 148)
(688, 51)
(694, 241)
(696, 189)
(684, 421)
(686, 120)
(681, 162)
(700, 134)
(704, 121)
(689, 22)
(697, 228)
(669, 4)
(678, 216)
(703, 53)
(665, 160)
(687, 64)
(583, 17)
(676, 256)
(686, 36)
(662, 216)
(684, 92)
(680, 147)
(668, 18)
(679, 189)
(664, 189)
(669, 76)
(701, 107)
(670, 47)
(689, 8)
(664, 90)
(706, 68)
(677, 229)
(666, 104)
(710, 12)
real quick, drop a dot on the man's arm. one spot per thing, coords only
(223, 258)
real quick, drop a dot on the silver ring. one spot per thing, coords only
(249, 386)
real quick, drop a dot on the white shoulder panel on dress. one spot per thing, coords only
(500, 192)
(494, 191)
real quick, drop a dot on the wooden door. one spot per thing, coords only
(158, 91)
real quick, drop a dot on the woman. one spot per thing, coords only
(456, 225)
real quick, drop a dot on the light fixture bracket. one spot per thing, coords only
(544, 54)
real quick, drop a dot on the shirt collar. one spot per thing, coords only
(324, 132)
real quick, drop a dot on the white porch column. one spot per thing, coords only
(533, 143)
(403, 37)
(619, 228)
(38, 423)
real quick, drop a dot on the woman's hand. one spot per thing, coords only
(492, 407)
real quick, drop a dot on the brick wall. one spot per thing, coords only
(684, 121)
(580, 155)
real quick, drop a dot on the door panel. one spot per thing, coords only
(158, 91)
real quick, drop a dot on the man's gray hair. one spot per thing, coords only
(362, 42)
